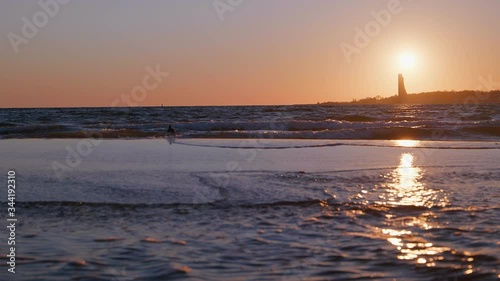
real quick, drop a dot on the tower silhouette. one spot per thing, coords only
(401, 86)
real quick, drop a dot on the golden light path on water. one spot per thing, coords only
(404, 188)
(412, 202)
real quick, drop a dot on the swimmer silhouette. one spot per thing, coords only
(170, 130)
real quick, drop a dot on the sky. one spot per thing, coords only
(240, 52)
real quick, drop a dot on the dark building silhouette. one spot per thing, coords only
(401, 86)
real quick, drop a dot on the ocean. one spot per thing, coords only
(421, 122)
(306, 192)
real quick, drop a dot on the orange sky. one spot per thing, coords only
(93, 53)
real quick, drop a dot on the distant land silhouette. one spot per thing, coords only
(438, 97)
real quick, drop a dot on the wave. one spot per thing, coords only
(484, 130)
(372, 210)
(32, 130)
(280, 122)
(439, 145)
(478, 117)
(107, 134)
(79, 204)
(345, 134)
(7, 124)
(362, 133)
(354, 118)
(298, 203)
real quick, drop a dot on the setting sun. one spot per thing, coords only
(407, 61)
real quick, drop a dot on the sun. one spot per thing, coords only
(407, 61)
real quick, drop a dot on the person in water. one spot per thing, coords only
(170, 130)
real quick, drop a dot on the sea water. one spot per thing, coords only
(430, 122)
(144, 207)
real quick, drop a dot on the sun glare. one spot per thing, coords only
(407, 61)
(407, 143)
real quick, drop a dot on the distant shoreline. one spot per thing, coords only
(438, 97)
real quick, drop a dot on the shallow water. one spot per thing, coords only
(210, 210)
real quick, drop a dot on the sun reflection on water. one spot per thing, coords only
(405, 188)
(407, 143)
(413, 248)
